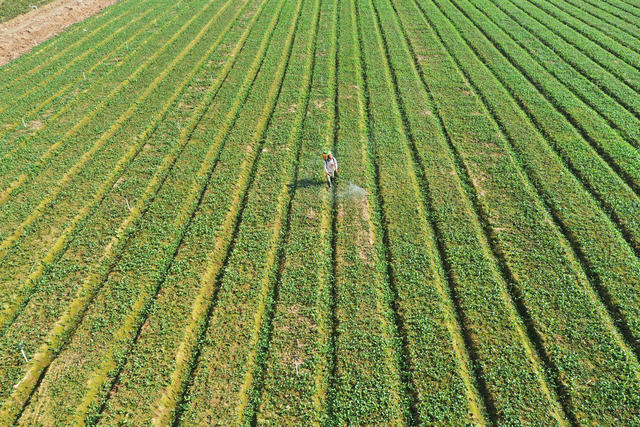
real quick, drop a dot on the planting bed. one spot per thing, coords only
(170, 253)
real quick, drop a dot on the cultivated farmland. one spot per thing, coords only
(170, 253)
(12, 8)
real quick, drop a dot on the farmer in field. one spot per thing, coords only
(330, 166)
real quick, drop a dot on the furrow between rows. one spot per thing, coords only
(297, 366)
(571, 286)
(34, 167)
(160, 236)
(16, 141)
(596, 256)
(58, 247)
(65, 325)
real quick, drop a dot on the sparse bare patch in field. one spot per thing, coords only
(35, 124)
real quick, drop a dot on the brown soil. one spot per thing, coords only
(22, 33)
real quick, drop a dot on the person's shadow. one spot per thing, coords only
(306, 183)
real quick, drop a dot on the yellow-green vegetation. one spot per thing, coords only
(170, 253)
(12, 8)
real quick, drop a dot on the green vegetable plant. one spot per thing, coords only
(79, 168)
(73, 102)
(35, 108)
(31, 62)
(609, 261)
(561, 294)
(95, 278)
(297, 365)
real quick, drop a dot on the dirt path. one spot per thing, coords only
(24, 32)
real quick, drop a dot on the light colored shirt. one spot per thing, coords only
(330, 165)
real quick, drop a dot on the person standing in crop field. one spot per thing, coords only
(330, 167)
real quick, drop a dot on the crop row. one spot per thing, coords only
(621, 9)
(111, 249)
(101, 186)
(626, 33)
(612, 63)
(628, 6)
(158, 237)
(616, 46)
(433, 344)
(75, 102)
(22, 256)
(23, 92)
(369, 378)
(190, 281)
(564, 315)
(611, 261)
(17, 120)
(240, 320)
(366, 381)
(12, 8)
(297, 367)
(30, 65)
(103, 121)
(493, 330)
(590, 76)
(70, 44)
(31, 158)
(630, 9)
(133, 321)
(603, 141)
(580, 74)
(23, 209)
(607, 17)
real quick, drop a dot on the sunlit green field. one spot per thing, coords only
(170, 252)
(12, 8)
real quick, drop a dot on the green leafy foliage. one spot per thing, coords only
(170, 252)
